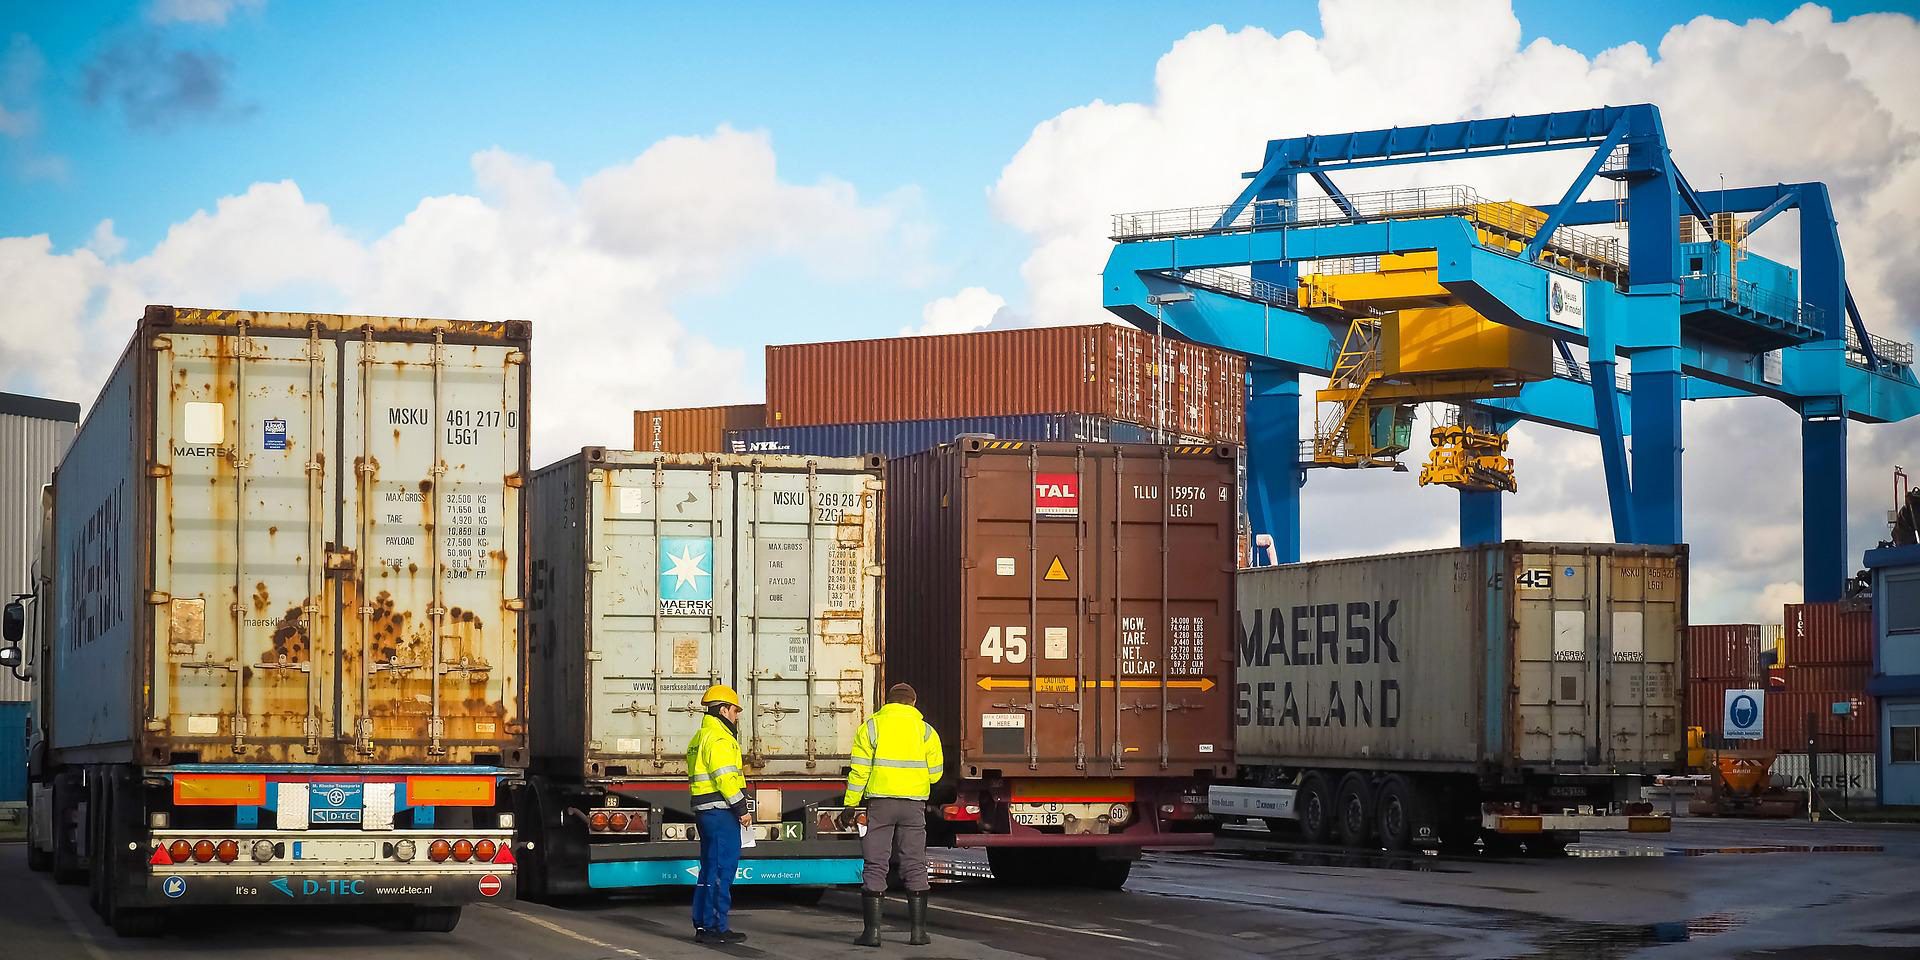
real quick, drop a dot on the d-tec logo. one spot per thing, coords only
(1056, 495)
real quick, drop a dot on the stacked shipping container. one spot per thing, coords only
(693, 429)
(1828, 654)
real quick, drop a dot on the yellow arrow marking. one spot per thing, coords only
(1057, 572)
(1066, 684)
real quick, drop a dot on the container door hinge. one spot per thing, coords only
(313, 734)
(436, 732)
(239, 732)
(366, 735)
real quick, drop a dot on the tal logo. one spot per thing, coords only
(1056, 495)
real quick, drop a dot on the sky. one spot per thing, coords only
(664, 189)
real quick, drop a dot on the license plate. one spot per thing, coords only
(336, 849)
(1041, 819)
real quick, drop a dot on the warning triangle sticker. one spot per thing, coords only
(1057, 571)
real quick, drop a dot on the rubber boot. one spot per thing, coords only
(917, 917)
(870, 915)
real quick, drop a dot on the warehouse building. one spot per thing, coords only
(34, 433)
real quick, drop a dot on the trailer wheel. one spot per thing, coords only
(68, 868)
(434, 919)
(1314, 806)
(1107, 874)
(38, 860)
(1353, 810)
(1014, 866)
(1402, 815)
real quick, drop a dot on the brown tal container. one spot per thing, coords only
(1066, 613)
(1838, 632)
(1724, 651)
(693, 429)
(1105, 370)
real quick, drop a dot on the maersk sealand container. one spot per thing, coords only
(279, 660)
(656, 575)
(1513, 693)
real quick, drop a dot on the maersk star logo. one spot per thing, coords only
(686, 577)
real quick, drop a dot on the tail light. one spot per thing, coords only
(618, 820)
(598, 822)
(404, 851)
(203, 851)
(264, 850)
(961, 811)
(439, 851)
(179, 851)
(617, 823)
(228, 851)
(463, 850)
(484, 851)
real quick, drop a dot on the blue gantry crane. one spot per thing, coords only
(1698, 314)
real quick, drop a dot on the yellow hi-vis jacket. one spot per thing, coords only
(895, 754)
(713, 768)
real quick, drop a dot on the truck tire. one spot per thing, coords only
(1353, 810)
(68, 867)
(38, 860)
(1314, 807)
(434, 919)
(1016, 866)
(1107, 874)
(1402, 814)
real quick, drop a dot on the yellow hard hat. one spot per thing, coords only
(720, 693)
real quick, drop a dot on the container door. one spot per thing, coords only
(1639, 660)
(430, 603)
(243, 426)
(807, 541)
(661, 588)
(1558, 613)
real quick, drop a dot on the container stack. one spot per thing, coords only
(1816, 666)
(901, 395)
(1720, 657)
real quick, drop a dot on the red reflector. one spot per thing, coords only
(160, 858)
(505, 855)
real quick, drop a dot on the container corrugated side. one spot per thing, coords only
(1041, 644)
(1724, 651)
(34, 434)
(898, 438)
(661, 574)
(1829, 633)
(1787, 711)
(693, 429)
(1529, 653)
(1851, 677)
(297, 539)
(1106, 370)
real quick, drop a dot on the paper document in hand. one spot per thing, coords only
(746, 835)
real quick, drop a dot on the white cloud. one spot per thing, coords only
(1804, 98)
(596, 267)
(973, 308)
(198, 11)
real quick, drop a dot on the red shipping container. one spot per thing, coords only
(1812, 678)
(1121, 373)
(1785, 729)
(1829, 633)
(693, 429)
(1724, 651)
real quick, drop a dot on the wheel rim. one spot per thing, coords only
(1393, 819)
(1353, 816)
(1315, 814)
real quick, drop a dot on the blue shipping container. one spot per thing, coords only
(13, 752)
(899, 438)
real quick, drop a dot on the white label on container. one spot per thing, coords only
(1003, 721)
(633, 500)
(1055, 645)
(202, 726)
(1005, 567)
(629, 745)
(1206, 748)
(203, 422)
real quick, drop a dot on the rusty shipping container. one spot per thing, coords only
(1848, 677)
(1724, 651)
(294, 538)
(1787, 711)
(1065, 612)
(693, 429)
(1105, 370)
(1839, 632)
(659, 575)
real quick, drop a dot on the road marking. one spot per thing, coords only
(563, 931)
(1036, 923)
(73, 923)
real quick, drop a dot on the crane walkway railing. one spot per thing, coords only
(1744, 296)
(1893, 351)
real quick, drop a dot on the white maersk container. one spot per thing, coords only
(282, 616)
(656, 575)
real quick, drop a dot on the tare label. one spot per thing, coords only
(1056, 495)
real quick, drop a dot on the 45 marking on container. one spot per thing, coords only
(1011, 649)
(1535, 578)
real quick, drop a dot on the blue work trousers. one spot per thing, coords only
(719, 859)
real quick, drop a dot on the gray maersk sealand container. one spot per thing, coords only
(1536, 657)
(658, 574)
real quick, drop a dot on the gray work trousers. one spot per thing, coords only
(893, 825)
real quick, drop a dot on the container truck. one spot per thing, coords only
(1507, 693)
(656, 575)
(278, 655)
(1065, 612)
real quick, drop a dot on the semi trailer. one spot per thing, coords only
(275, 638)
(656, 575)
(1512, 695)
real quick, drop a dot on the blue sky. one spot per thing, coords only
(370, 107)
